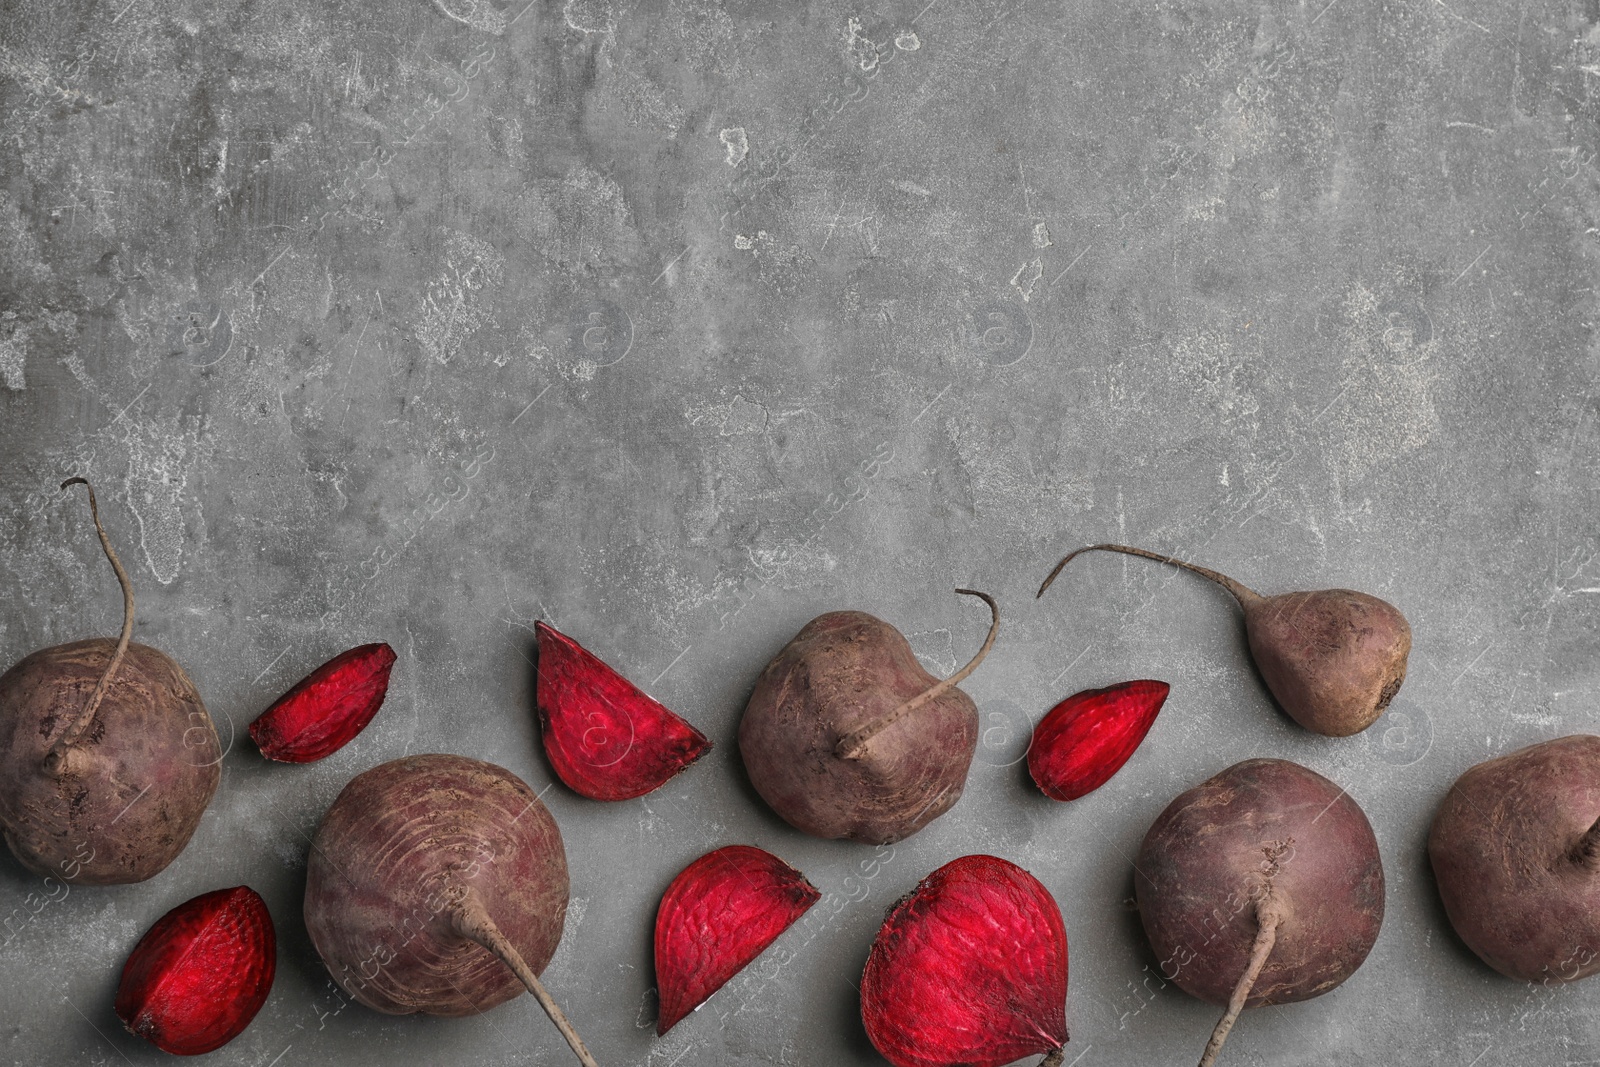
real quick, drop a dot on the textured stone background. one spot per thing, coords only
(677, 323)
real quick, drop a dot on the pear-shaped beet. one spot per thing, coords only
(606, 738)
(1333, 658)
(721, 912)
(438, 884)
(847, 736)
(969, 970)
(1261, 885)
(1516, 850)
(107, 756)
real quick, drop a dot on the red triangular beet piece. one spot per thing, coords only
(201, 973)
(327, 708)
(1086, 738)
(605, 737)
(969, 969)
(717, 916)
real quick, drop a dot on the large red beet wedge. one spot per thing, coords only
(327, 708)
(198, 977)
(720, 913)
(969, 970)
(605, 737)
(1089, 736)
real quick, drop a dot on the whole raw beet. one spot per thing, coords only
(138, 780)
(1515, 847)
(400, 850)
(844, 671)
(1266, 867)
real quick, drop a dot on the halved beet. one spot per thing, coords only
(201, 973)
(719, 913)
(1089, 736)
(325, 710)
(605, 737)
(969, 970)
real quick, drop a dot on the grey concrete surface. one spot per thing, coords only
(677, 323)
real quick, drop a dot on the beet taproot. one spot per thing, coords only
(438, 884)
(719, 913)
(1086, 738)
(606, 738)
(1333, 658)
(199, 975)
(969, 970)
(108, 758)
(1261, 885)
(1515, 848)
(847, 736)
(326, 709)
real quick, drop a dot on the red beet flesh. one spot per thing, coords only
(1515, 847)
(720, 913)
(326, 708)
(1086, 738)
(969, 970)
(606, 738)
(201, 973)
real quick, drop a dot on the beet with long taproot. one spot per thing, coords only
(108, 758)
(1261, 885)
(438, 884)
(1333, 658)
(847, 736)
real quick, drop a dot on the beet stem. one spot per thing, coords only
(472, 921)
(1055, 1058)
(58, 760)
(850, 746)
(1586, 853)
(1242, 593)
(1269, 915)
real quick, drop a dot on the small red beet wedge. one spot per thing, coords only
(327, 708)
(720, 913)
(605, 737)
(1089, 736)
(969, 970)
(200, 974)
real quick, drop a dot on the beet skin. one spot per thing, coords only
(843, 671)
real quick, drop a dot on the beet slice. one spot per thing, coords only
(201, 973)
(605, 737)
(1086, 738)
(719, 913)
(325, 710)
(969, 970)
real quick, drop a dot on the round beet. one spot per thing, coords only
(1333, 658)
(847, 736)
(107, 756)
(438, 884)
(1261, 885)
(1516, 851)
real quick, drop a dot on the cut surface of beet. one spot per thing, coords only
(327, 708)
(201, 973)
(719, 913)
(969, 970)
(1086, 738)
(606, 738)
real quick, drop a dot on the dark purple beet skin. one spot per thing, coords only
(1206, 861)
(1516, 852)
(842, 671)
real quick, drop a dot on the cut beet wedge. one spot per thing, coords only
(969, 970)
(327, 708)
(1089, 736)
(720, 913)
(605, 737)
(201, 973)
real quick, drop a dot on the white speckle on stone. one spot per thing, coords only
(736, 143)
